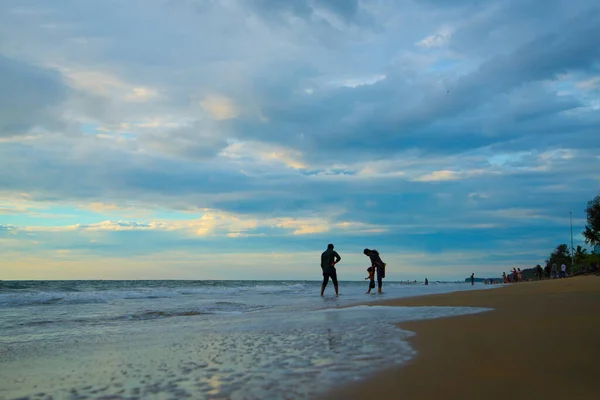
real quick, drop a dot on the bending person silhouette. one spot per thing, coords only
(378, 264)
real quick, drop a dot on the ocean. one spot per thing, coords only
(200, 339)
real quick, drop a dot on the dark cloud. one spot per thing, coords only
(396, 113)
(195, 142)
(347, 10)
(28, 97)
(574, 48)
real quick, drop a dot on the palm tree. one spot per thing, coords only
(592, 229)
(581, 255)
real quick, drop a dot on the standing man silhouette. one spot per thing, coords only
(329, 258)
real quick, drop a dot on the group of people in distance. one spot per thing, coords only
(516, 275)
(330, 257)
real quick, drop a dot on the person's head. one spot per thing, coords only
(366, 251)
(370, 269)
(330, 246)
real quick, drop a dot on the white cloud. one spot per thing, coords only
(589, 84)
(215, 223)
(106, 84)
(141, 94)
(357, 82)
(438, 39)
(478, 195)
(264, 153)
(220, 107)
(436, 176)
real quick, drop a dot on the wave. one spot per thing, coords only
(42, 293)
(147, 315)
(28, 297)
(46, 299)
(217, 308)
(165, 314)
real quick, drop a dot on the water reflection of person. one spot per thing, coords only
(333, 339)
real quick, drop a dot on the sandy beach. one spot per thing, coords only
(540, 342)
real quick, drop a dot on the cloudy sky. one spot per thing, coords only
(206, 139)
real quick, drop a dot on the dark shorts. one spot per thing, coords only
(332, 275)
(372, 284)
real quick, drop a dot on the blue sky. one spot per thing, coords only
(200, 139)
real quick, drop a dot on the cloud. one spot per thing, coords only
(265, 153)
(29, 97)
(436, 40)
(323, 10)
(100, 207)
(219, 107)
(428, 130)
(589, 84)
(439, 176)
(217, 223)
(104, 84)
(7, 228)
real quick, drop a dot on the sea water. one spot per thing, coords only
(199, 339)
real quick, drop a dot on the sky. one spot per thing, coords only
(205, 139)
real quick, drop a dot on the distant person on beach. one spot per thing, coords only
(504, 278)
(371, 278)
(472, 278)
(563, 271)
(426, 282)
(329, 258)
(378, 264)
(539, 272)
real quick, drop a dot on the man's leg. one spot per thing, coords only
(379, 280)
(325, 280)
(335, 282)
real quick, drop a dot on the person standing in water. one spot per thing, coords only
(371, 278)
(378, 265)
(329, 258)
(472, 278)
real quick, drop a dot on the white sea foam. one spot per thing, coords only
(268, 355)
(170, 339)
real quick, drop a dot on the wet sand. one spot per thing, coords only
(540, 342)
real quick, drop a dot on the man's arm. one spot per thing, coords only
(336, 257)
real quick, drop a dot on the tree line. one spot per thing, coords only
(583, 260)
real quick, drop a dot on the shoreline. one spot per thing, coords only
(539, 341)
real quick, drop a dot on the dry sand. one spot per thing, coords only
(542, 341)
